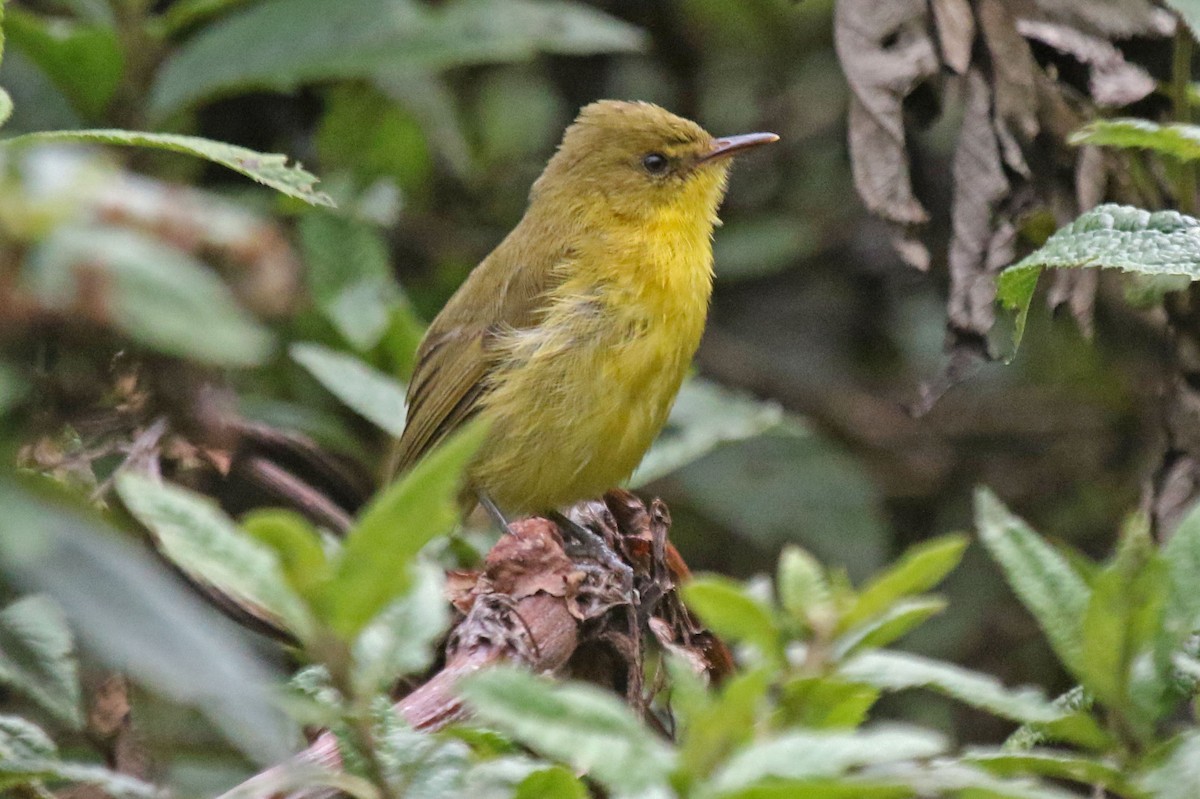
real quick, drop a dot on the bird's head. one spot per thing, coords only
(642, 162)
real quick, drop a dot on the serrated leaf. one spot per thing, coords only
(731, 613)
(1054, 763)
(801, 584)
(159, 296)
(1107, 237)
(899, 671)
(814, 755)
(401, 639)
(37, 657)
(920, 569)
(374, 565)
(197, 537)
(895, 622)
(83, 60)
(269, 169)
(161, 634)
(1042, 579)
(283, 44)
(349, 276)
(704, 416)
(576, 723)
(367, 391)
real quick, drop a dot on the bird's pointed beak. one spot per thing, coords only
(728, 145)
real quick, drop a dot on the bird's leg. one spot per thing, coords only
(592, 545)
(492, 510)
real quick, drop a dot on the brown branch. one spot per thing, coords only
(538, 605)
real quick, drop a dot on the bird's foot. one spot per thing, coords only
(580, 541)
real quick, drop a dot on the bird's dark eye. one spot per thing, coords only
(655, 163)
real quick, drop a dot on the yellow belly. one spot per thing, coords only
(603, 376)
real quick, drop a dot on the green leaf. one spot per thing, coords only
(1057, 764)
(1178, 775)
(733, 614)
(899, 671)
(296, 544)
(114, 785)
(369, 392)
(6, 107)
(349, 275)
(705, 415)
(554, 782)
(37, 657)
(845, 788)
(283, 44)
(84, 61)
(714, 726)
(1107, 237)
(1181, 615)
(576, 723)
(401, 639)
(21, 739)
(1042, 579)
(827, 701)
(197, 537)
(895, 622)
(158, 295)
(161, 634)
(374, 565)
(267, 168)
(921, 568)
(964, 781)
(801, 584)
(812, 755)
(1176, 139)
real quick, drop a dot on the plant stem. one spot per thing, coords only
(1181, 78)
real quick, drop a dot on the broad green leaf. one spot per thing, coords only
(269, 169)
(400, 640)
(349, 276)
(161, 634)
(899, 671)
(801, 584)
(895, 622)
(1107, 237)
(1176, 139)
(921, 568)
(710, 729)
(37, 657)
(731, 613)
(367, 391)
(1179, 774)
(372, 136)
(554, 782)
(844, 788)
(579, 724)
(6, 107)
(812, 755)
(1181, 615)
(951, 778)
(21, 739)
(283, 44)
(827, 702)
(374, 565)
(705, 415)
(114, 785)
(1058, 764)
(83, 60)
(159, 296)
(198, 538)
(1042, 579)
(296, 544)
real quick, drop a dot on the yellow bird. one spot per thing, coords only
(572, 337)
